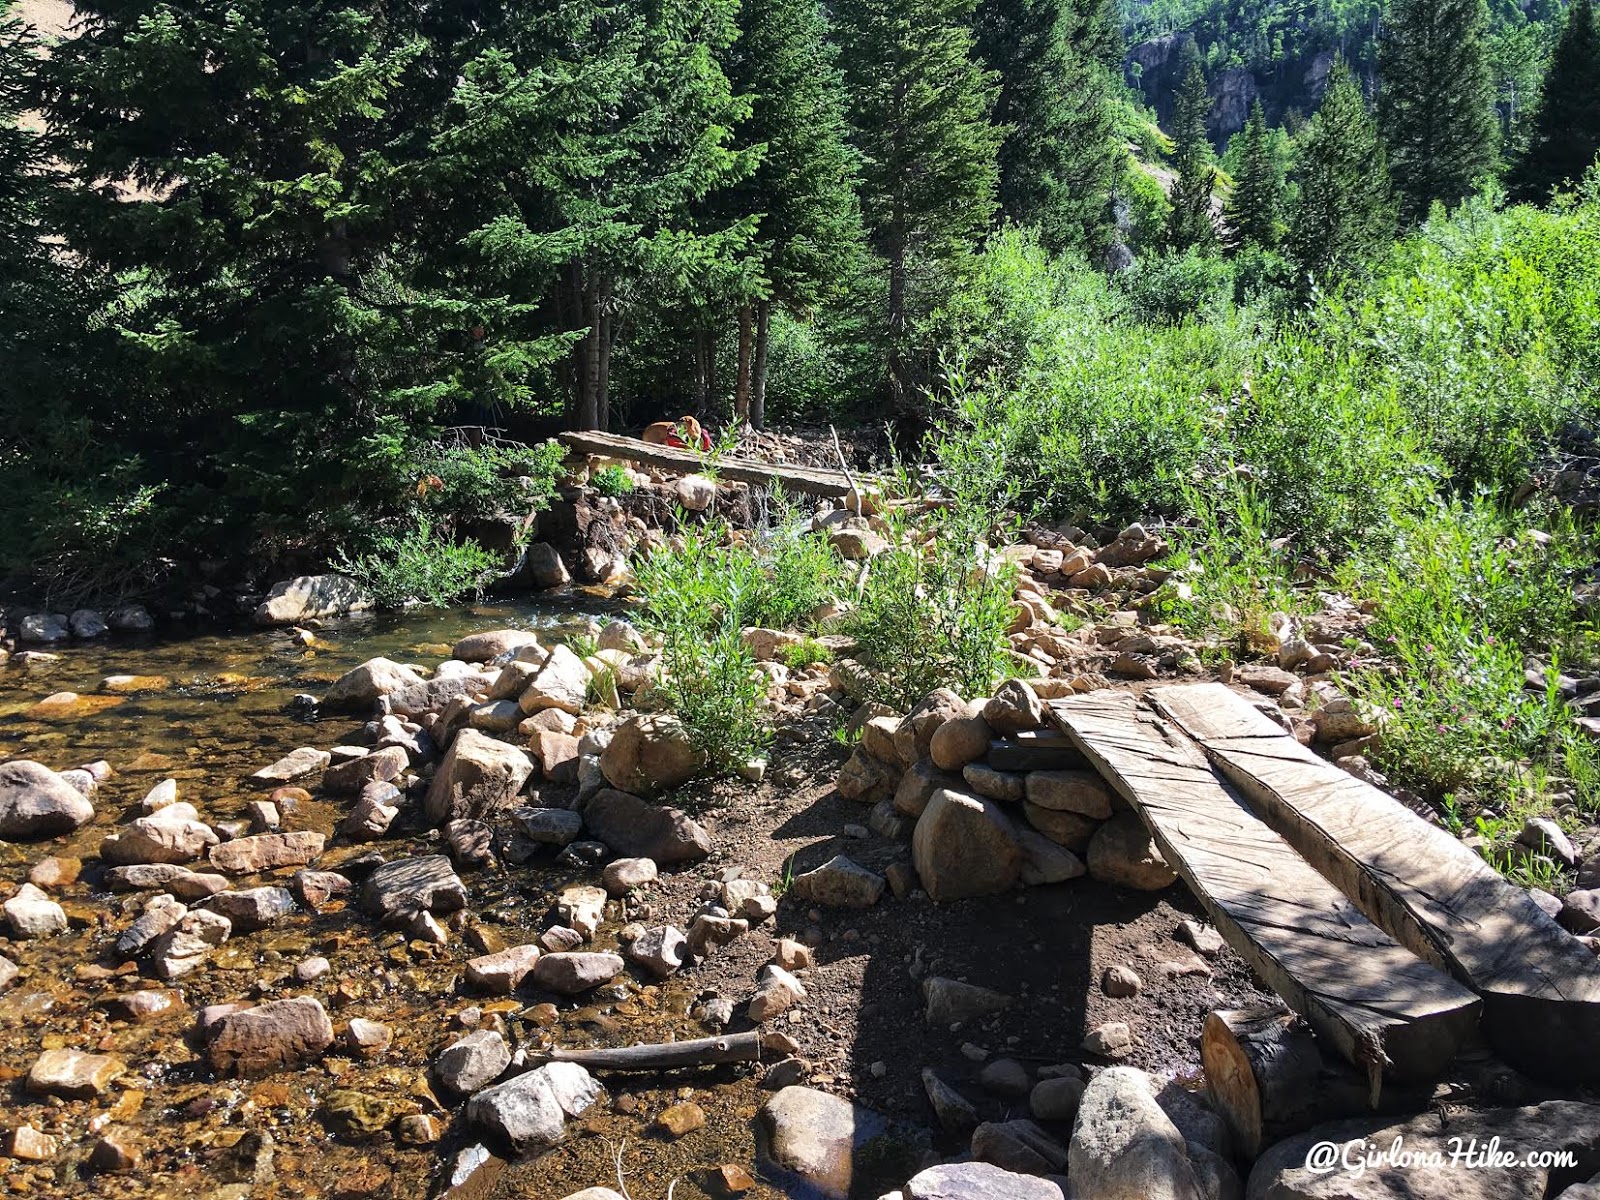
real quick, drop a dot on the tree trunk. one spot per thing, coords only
(1268, 1078)
(589, 362)
(897, 323)
(741, 390)
(758, 390)
(602, 386)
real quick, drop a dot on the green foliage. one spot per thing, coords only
(1345, 217)
(1463, 595)
(1168, 287)
(462, 482)
(614, 480)
(1565, 138)
(1436, 103)
(417, 566)
(807, 652)
(1256, 202)
(1190, 225)
(1059, 161)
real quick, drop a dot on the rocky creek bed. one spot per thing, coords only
(261, 945)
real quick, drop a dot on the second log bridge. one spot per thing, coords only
(810, 481)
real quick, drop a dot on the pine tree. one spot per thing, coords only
(1346, 212)
(920, 106)
(1059, 163)
(1189, 225)
(1566, 127)
(1436, 101)
(810, 236)
(1254, 207)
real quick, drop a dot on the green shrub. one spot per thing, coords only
(808, 652)
(614, 480)
(417, 566)
(1170, 286)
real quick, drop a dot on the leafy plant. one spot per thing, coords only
(417, 567)
(614, 480)
(808, 652)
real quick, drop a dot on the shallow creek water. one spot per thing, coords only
(214, 709)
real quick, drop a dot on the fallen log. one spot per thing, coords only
(1416, 882)
(1371, 1000)
(1269, 1079)
(662, 1056)
(811, 481)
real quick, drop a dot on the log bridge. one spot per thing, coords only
(1388, 937)
(809, 481)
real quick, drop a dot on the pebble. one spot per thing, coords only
(680, 1119)
(1112, 1040)
(312, 969)
(1202, 937)
(73, 1073)
(29, 1145)
(1005, 1077)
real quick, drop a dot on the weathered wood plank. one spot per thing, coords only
(1372, 1000)
(813, 481)
(1540, 987)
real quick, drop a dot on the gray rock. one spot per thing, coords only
(87, 624)
(984, 780)
(426, 883)
(1082, 792)
(32, 914)
(815, 1136)
(530, 1111)
(1056, 1099)
(131, 618)
(1122, 853)
(434, 695)
(35, 803)
(474, 1062)
(840, 883)
(160, 915)
(44, 629)
(185, 947)
(1014, 709)
(659, 949)
(549, 826)
(1544, 836)
(951, 1002)
(1043, 861)
(253, 908)
(917, 786)
(635, 828)
(360, 687)
(297, 764)
(572, 974)
(957, 1117)
(965, 846)
(1124, 1147)
(1005, 1077)
(311, 596)
(979, 1181)
(1021, 1146)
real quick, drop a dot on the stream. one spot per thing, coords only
(208, 709)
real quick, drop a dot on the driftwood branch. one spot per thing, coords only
(663, 1056)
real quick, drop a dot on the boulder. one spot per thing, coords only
(360, 687)
(1081, 792)
(562, 682)
(264, 851)
(311, 596)
(695, 492)
(1122, 853)
(959, 741)
(297, 764)
(557, 753)
(917, 786)
(840, 883)
(1014, 708)
(570, 974)
(650, 754)
(160, 915)
(44, 629)
(542, 566)
(979, 1181)
(434, 695)
(478, 778)
(271, 1036)
(951, 1002)
(87, 624)
(582, 908)
(1023, 1147)
(1283, 1172)
(529, 1112)
(865, 779)
(173, 834)
(185, 947)
(624, 875)
(131, 618)
(492, 643)
(815, 1137)
(472, 1063)
(73, 1074)
(35, 802)
(1056, 1099)
(353, 774)
(373, 813)
(549, 826)
(635, 828)
(500, 973)
(1071, 830)
(915, 733)
(426, 883)
(252, 908)
(1124, 1147)
(957, 1117)
(659, 949)
(32, 914)
(1044, 861)
(965, 846)
(983, 780)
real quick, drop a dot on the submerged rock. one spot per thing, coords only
(426, 883)
(271, 1036)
